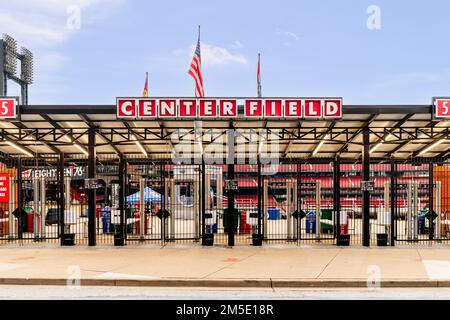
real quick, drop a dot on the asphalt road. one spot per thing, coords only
(125, 293)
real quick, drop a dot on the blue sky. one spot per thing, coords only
(308, 48)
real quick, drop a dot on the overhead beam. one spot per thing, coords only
(396, 126)
(164, 133)
(353, 137)
(397, 148)
(291, 142)
(322, 137)
(130, 128)
(415, 153)
(20, 125)
(56, 125)
(20, 145)
(91, 124)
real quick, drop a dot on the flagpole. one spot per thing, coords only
(258, 80)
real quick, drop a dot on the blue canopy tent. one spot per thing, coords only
(150, 195)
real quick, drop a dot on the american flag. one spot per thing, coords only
(196, 71)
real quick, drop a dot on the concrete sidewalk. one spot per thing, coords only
(195, 266)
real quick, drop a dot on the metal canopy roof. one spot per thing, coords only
(396, 131)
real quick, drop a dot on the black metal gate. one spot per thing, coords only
(162, 202)
(30, 210)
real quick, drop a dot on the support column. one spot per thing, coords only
(20, 197)
(11, 207)
(43, 208)
(142, 215)
(36, 207)
(163, 203)
(337, 195)
(122, 172)
(61, 197)
(197, 215)
(203, 202)
(365, 193)
(393, 201)
(92, 192)
(24, 93)
(299, 201)
(3, 80)
(431, 199)
(259, 193)
(230, 193)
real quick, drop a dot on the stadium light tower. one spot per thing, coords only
(9, 57)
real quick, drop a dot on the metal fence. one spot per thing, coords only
(293, 203)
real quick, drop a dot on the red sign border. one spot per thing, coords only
(238, 116)
(16, 108)
(6, 199)
(434, 115)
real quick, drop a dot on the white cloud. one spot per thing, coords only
(61, 5)
(288, 36)
(31, 30)
(292, 35)
(47, 24)
(41, 26)
(214, 55)
(237, 44)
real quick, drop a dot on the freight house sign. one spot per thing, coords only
(229, 108)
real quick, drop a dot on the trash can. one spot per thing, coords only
(343, 240)
(257, 239)
(274, 213)
(106, 220)
(68, 239)
(118, 237)
(344, 222)
(226, 219)
(311, 222)
(29, 224)
(327, 214)
(382, 239)
(129, 214)
(210, 221)
(208, 239)
(244, 227)
(421, 223)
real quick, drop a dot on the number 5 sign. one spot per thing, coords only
(8, 108)
(441, 108)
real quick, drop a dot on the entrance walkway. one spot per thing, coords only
(222, 267)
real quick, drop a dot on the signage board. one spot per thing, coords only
(8, 108)
(72, 171)
(441, 108)
(229, 108)
(4, 187)
(367, 185)
(231, 185)
(91, 184)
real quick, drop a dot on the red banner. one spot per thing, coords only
(4, 187)
(227, 108)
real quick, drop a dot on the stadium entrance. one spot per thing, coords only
(225, 171)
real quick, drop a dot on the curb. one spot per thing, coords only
(265, 283)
